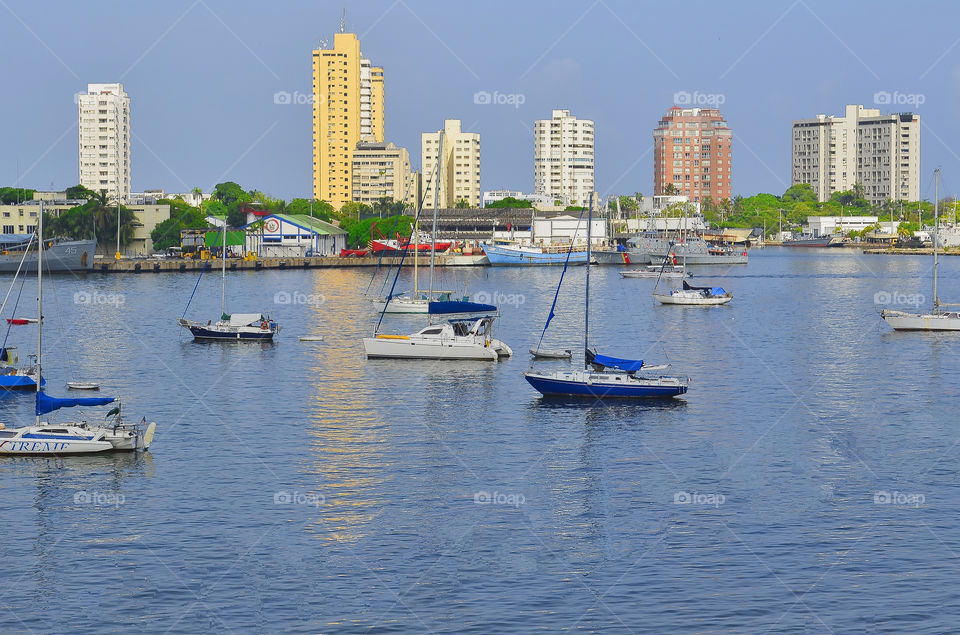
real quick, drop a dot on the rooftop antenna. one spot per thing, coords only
(343, 21)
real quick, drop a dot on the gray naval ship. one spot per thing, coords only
(61, 254)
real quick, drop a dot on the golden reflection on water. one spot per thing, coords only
(345, 433)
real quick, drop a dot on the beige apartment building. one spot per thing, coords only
(459, 166)
(563, 158)
(882, 152)
(383, 170)
(104, 139)
(347, 109)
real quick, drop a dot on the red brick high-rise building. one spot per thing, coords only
(692, 150)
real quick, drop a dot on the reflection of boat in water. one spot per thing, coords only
(60, 254)
(532, 255)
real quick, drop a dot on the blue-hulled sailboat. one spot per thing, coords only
(602, 376)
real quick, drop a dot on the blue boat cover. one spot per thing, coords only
(627, 365)
(46, 404)
(712, 290)
(458, 306)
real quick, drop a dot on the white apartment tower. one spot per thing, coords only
(459, 166)
(563, 158)
(881, 152)
(104, 122)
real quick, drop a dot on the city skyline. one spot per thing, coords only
(204, 77)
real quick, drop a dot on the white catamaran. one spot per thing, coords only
(937, 320)
(45, 438)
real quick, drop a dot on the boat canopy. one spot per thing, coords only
(243, 319)
(458, 306)
(46, 403)
(604, 361)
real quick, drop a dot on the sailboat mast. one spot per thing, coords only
(436, 204)
(416, 251)
(936, 235)
(586, 311)
(223, 275)
(39, 302)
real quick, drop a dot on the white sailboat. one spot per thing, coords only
(45, 438)
(689, 295)
(936, 320)
(230, 327)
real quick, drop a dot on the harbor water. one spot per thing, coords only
(805, 484)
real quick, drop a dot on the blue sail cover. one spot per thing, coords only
(46, 404)
(626, 365)
(458, 306)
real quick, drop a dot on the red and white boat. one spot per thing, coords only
(406, 245)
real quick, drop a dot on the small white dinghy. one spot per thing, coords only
(82, 385)
(551, 353)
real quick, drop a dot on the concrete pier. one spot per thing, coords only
(170, 265)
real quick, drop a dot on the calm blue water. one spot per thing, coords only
(299, 487)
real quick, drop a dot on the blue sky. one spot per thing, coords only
(202, 77)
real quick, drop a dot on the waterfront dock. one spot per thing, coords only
(169, 265)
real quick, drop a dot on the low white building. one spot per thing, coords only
(492, 196)
(293, 235)
(826, 225)
(567, 229)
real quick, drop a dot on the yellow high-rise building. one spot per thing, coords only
(347, 108)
